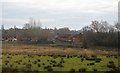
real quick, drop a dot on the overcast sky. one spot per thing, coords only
(58, 13)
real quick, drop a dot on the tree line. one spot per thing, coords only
(98, 33)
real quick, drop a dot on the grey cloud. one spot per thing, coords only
(72, 18)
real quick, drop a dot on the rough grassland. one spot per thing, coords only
(43, 49)
(21, 57)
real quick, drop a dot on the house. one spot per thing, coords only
(68, 38)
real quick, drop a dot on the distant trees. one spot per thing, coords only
(26, 26)
(100, 34)
(32, 24)
(117, 25)
(2, 27)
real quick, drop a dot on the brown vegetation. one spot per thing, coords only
(42, 49)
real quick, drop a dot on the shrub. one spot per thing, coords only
(54, 65)
(24, 57)
(90, 59)
(82, 59)
(8, 57)
(28, 67)
(98, 60)
(68, 56)
(82, 70)
(72, 70)
(63, 55)
(46, 67)
(24, 63)
(39, 55)
(74, 56)
(49, 69)
(93, 56)
(11, 65)
(39, 65)
(90, 64)
(35, 62)
(38, 60)
(6, 63)
(111, 65)
(43, 64)
(6, 70)
(111, 62)
(71, 56)
(28, 60)
(53, 61)
(20, 60)
(59, 65)
(81, 56)
(116, 57)
(94, 69)
(107, 56)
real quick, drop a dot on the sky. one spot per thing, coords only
(74, 14)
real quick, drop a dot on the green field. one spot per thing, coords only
(29, 62)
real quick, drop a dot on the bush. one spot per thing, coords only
(90, 59)
(39, 65)
(49, 69)
(43, 64)
(98, 60)
(82, 59)
(82, 70)
(111, 65)
(46, 67)
(72, 70)
(38, 60)
(90, 64)
(6, 63)
(28, 67)
(94, 69)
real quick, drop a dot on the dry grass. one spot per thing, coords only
(38, 49)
